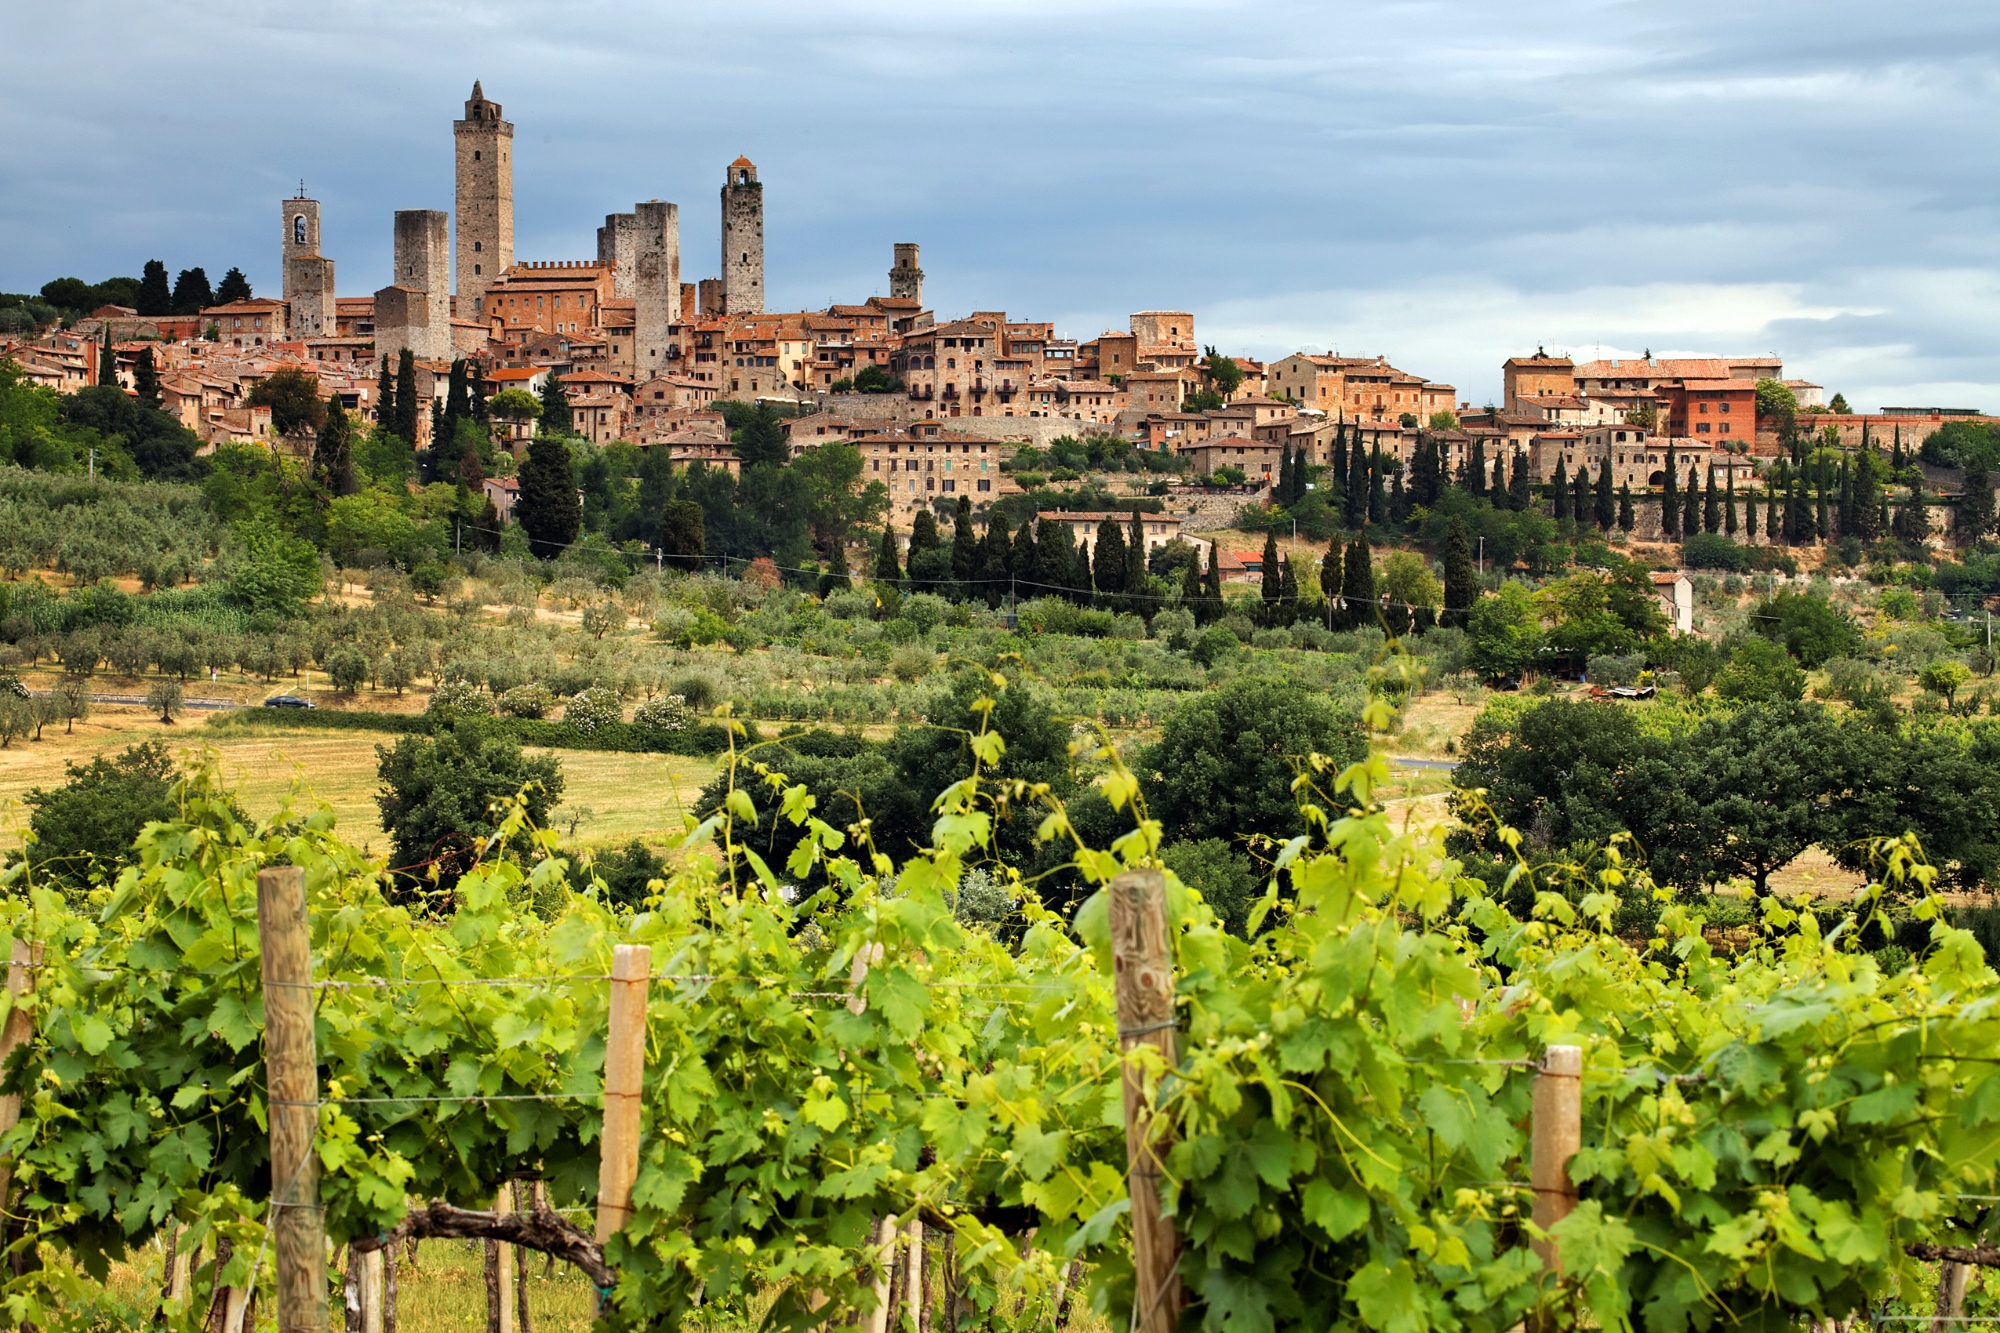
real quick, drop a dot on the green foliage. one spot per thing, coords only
(1711, 550)
(547, 508)
(292, 394)
(1225, 878)
(443, 799)
(1506, 633)
(267, 571)
(84, 830)
(1962, 444)
(1760, 671)
(593, 709)
(1811, 628)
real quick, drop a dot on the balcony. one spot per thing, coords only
(950, 392)
(920, 392)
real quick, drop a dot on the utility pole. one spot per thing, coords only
(1482, 557)
(457, 535)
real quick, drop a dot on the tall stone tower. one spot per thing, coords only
(485, 201)
(906, 279)
(308, 275)
(742, 240)
(414, 310)
(615, 242)
(656, 284)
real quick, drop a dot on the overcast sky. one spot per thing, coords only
(1445, 183)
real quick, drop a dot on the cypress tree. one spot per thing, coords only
(1607, 513)
(1711, 504)
(1579, 501)
(556, 415)
(1399, 500)
(407, 405)
(1211, 590)
(1845, 514)
(924, 535)
(1358, 583)
(1867, 497)
(1110, 573)
(1461, 576)
(887, 569)
(1191, 588)
(836, 578)
(457, 396)
(1773, 531)
(146, 380)
(1559, 492)
(1288, 591)
(1337, 474)
(1135, 562)
(1021, 568)
(1750, 516)
(1270, 579)
(964, 546)
(547, 507)
(1729, 505)
(1357, 485)
(333, 454)
(385, 397)
(1670, 500)
(1497, 488)
(1691, 511)
(1378, 499)
(996, 555)
(1917, 513)
(1282, 493)
(1975, 503)
(107, 361)
(1626, 519)
(1820, 528)
(1519, 498)
(1329, 585)
(1475, 467)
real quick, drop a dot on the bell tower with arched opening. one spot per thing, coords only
(485, 218)
(742, 240)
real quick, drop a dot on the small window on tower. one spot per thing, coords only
(475, 155)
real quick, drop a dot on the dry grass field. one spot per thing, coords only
(616, 797)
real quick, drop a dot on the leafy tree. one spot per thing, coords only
(191, 292)
(266, 570)
(1811, 628)
(1779, 406)
(347, 668)
(1563, 772)
(1975, 505)
(158, 445)
(1224, 764)
(876, 379)
(547, 507)
(1444, 420)
(439, 796)
(1506, 633)
(85, 829)
(1226, 879)
(1839, 405)
(1760, 671)
(233, 287)
(758, 433)
(1945, 678)
(155, 297)
(682, 535)
(1222, 372)
(1461, 575)
(836, 576)
(165, 698)
(292, 394)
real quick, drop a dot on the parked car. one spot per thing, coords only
(288, 701)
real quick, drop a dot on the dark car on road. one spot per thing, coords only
(288, 701)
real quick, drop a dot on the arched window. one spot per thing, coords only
(951, 363)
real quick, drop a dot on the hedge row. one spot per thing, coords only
(702, 740)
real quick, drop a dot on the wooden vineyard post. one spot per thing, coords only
(913, 1271)
(624, 1080)
(1558, 1134)
(500, 1307)
(291, 1079)
(20, 1027)
(1142, 964)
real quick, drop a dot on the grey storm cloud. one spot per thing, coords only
(1447, 183)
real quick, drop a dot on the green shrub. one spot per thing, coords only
(594, 708)
(459, 698)
(531, 701)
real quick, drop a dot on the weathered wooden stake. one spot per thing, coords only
(291, 1078)
(1558, 1134)
(504, 1294)
(913, 1271)
(19, 1028)
(1142, 963)
(624, 1080)
(388, 1289)
(371, 1292)
(884, 1238)
(527, 1197)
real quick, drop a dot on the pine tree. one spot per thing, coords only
(407, 403)
(1358, 586)
(385, 398)
(333, 452)
(1626, 519)
(888, 571)
(1108, 570)
(1329, 585)
(155, 297)
(556, 415)
(1691, 509)
(146, 380)
(964, 545)
(1378, 498)
(547, 507)
(1607, 513)
(1711, 504)
(1461, 576)
(1729, 505)
(1475, 467)
(1271, 579)
(234, 287)
(191, 293)
(1670, 500)
(107, 361)
(1559, 491)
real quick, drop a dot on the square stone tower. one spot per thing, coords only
(485, 201)
(308, 275)
(616, 241)
(906, 279)
(656, 284)
(742, 240)
(422, 238)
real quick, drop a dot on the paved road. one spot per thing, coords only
(1442, 765)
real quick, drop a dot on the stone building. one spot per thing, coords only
(616, 247)
(485, 201)
(414, 310)
(656, 285)
(742, 240)
(1536, 378)
(308, 275)
(906, 277)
